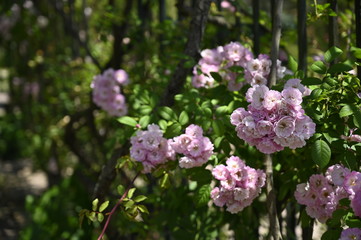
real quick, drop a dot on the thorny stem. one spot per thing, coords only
(115, 208)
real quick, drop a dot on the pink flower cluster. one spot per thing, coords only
(219, 60)
(196, 148)
(239, 184)
(351, 234)
(257, 70)
(150, 148)
(107, 92)
(321, 194)
(273, 119)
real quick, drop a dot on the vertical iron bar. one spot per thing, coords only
(332, 27)
(256, 34)
(302, 35)
(358, 31)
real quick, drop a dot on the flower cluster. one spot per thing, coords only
(239, 184)
(150, 148)
(219, 60)
(107, 92)
(351, 234)
(321, 194)
(223, 58)
(257, 70)
(196, 148)
(273, 119)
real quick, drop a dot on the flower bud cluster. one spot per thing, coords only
(107, 92)
(196, 148)
(151, 148)
(239, 184)
(273, 120)
(321, 194)
(219, 60)
(257, 70)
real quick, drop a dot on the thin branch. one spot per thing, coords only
(115, 207)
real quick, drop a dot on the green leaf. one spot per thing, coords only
(131, 192)
(240, 78)
(129, 204)
(103, 206)
(356, 116)
(316, 93)
(183, 118)
(218, 141)
(163, 124)
(216, 76)
(340, 67)
(143, 208)
(321, 153)
(311, 81)
(144, 121)
(300, 74)
(202, 196)
(127, 121)
(218, 127)
(174, 130)
(140, 198)
(145, 109)
(356, 52)
(95, 204)
(236, 69)
(345, 111)
(332, 53)
(319, 67)
(167, 113)
(292, 64)
(332, 234)
(100, 217)
(352, 109)
(120, 189)
(222, 110)
(91, 216)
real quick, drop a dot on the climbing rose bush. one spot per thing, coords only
(273, 119)
(321, 194)
(196, 148)
(107, 91)
(151, 148)
(239, 184)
